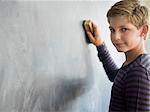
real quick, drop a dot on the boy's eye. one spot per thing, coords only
(112, 30)
(124, 29)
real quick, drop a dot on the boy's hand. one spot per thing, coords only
(93, 33)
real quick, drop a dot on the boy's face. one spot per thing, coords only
(124, 35)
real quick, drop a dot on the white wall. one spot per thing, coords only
(45, 63)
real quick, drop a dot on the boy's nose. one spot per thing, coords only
(116, 36)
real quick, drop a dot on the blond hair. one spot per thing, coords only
(132, 9)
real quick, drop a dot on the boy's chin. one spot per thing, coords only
(121, 50)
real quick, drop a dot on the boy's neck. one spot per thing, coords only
(133, 54)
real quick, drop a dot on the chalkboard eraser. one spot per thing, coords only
(87, 25)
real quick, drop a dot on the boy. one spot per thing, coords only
(128, 22)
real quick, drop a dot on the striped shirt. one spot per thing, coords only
(131, 83)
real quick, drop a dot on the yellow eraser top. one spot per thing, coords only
(88, 25)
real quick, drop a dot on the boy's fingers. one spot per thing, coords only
(96, 33)
(94, 25)
(92, 39)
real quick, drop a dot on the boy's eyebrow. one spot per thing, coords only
(122, 26)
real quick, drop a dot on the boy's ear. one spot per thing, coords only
(144, 31)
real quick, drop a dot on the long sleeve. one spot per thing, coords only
(108, 63)
(137, 90)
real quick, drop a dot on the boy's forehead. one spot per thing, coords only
(118, 21)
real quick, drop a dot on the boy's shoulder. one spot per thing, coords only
(142, 63)
(139, 68)
(145, 61)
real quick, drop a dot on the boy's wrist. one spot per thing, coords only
(99, 43)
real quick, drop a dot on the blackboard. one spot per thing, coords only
(45, 63)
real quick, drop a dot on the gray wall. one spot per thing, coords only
(45, 63)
